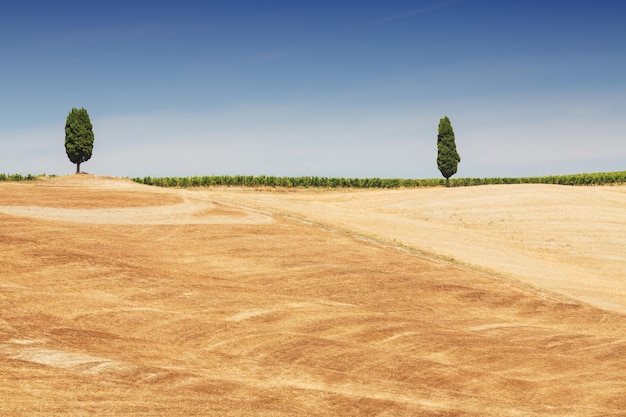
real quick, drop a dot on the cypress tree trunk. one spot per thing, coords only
(78, 167)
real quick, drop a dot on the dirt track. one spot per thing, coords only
(234, 302)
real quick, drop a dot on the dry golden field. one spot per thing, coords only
(118, 299)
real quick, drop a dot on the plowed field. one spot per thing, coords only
(118, 299)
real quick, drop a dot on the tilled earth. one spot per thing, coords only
(120, 299)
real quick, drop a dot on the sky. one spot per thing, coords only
(321, 88)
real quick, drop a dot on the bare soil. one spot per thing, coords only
(128, 300)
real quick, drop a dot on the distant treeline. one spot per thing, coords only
(602, 178)
(19, 177)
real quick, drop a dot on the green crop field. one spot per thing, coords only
(18, 177)
(601, 178)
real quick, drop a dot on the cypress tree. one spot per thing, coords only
(447, 157)
(78, 137)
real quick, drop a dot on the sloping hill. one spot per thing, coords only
(121, 299)
(570, 240)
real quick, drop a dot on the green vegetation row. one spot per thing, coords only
(603, 178)
(18, 177)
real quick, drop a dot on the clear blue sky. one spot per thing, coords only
(337, 88)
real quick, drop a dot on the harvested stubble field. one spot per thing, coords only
(121, 299)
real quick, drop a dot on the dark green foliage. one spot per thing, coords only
(605, 178)
(290, 182)
(78, 137)
(447, 157)
(18, 177)
(600, 178)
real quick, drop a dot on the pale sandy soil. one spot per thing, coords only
(571, 240)
(118, 299)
